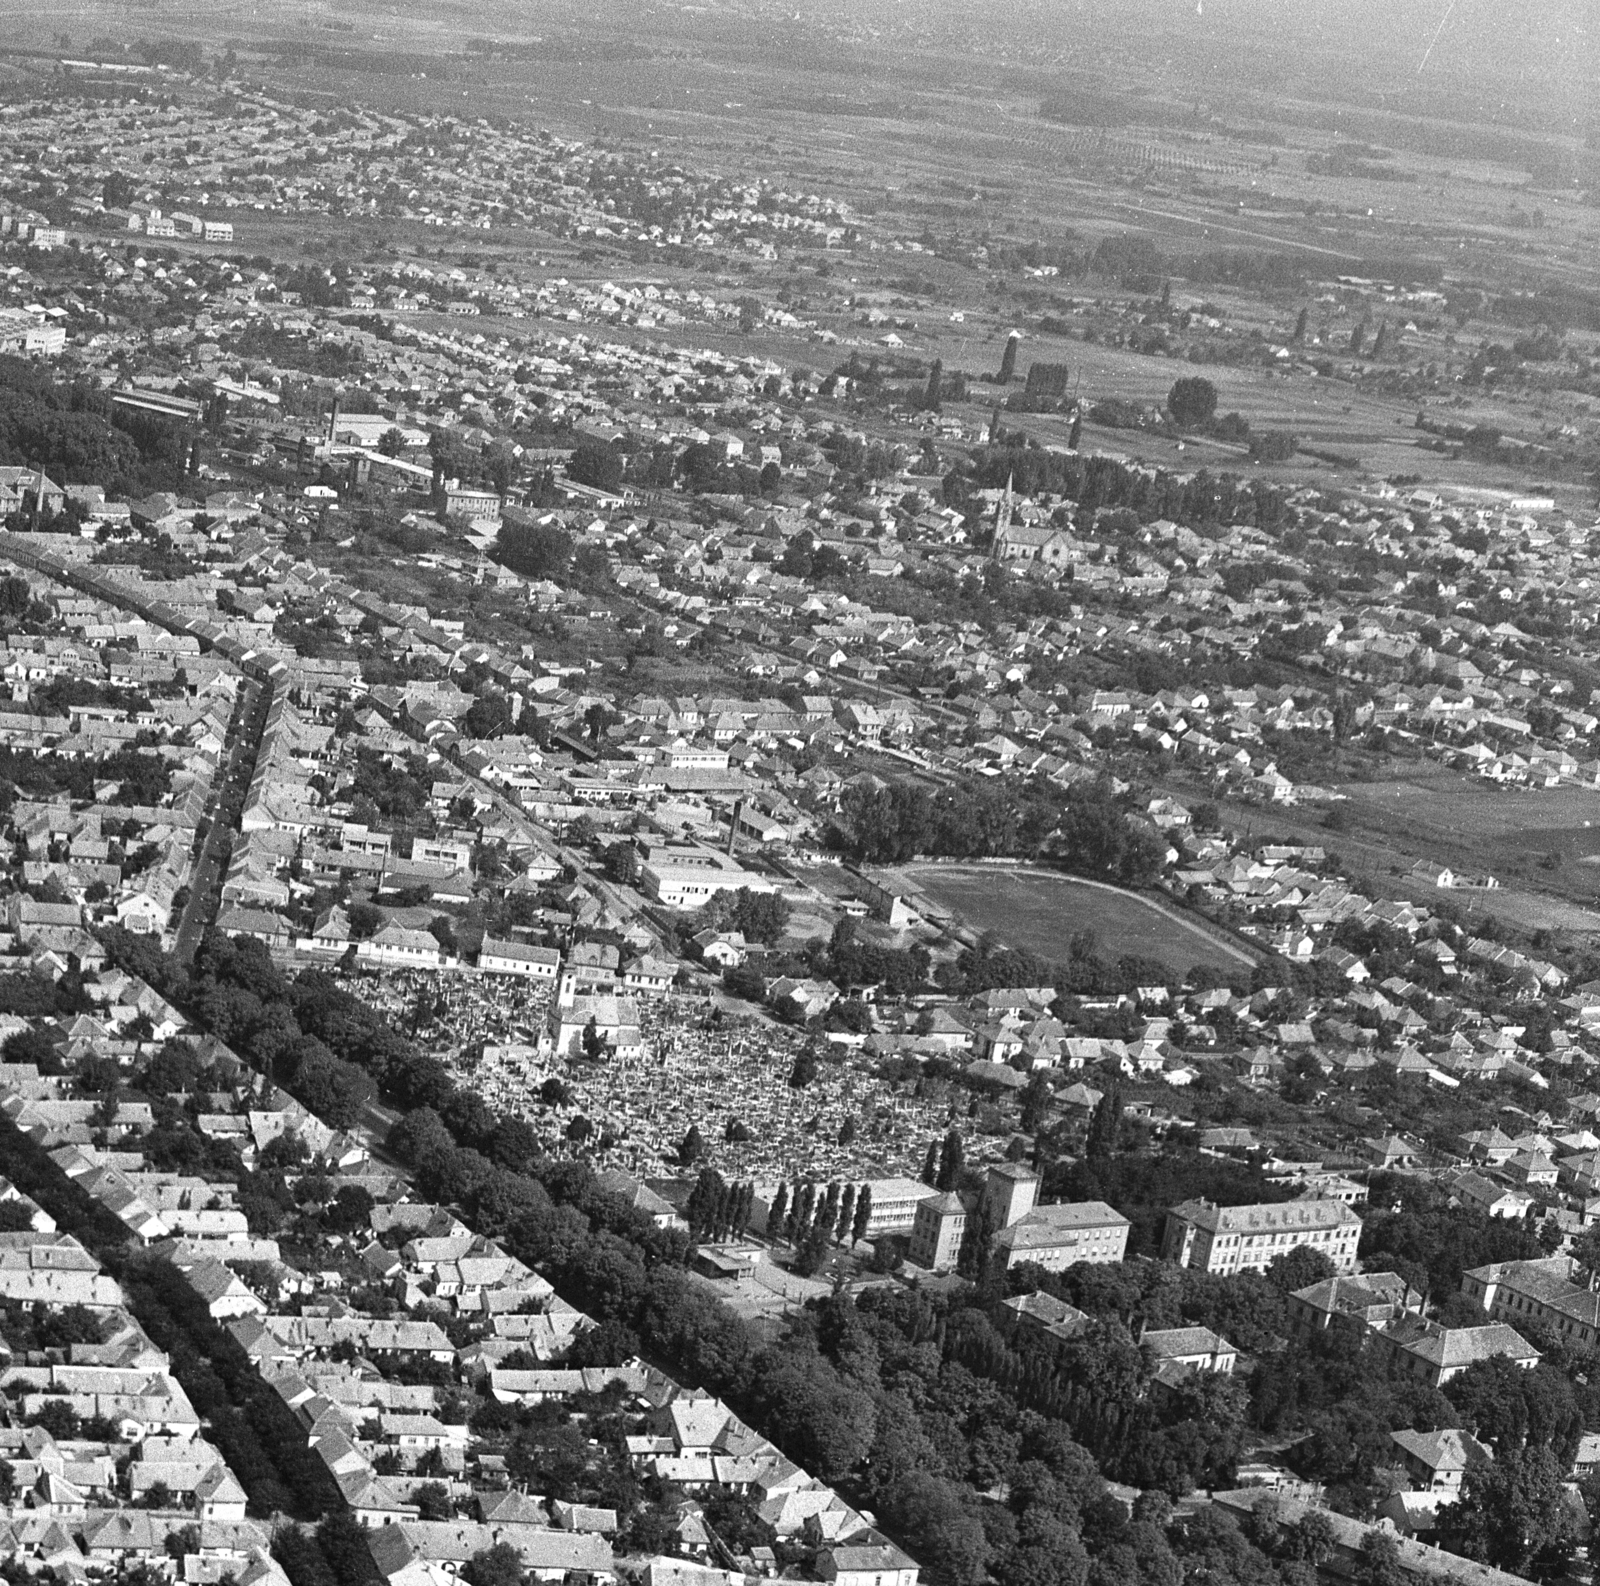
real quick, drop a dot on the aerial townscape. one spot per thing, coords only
(799, 793)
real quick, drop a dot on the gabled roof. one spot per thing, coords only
(1449, 1449)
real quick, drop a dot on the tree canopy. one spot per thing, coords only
(1192, 401)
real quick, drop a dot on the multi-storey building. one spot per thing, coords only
(1538, 1291)
(937, 1232)
(1250, 1238)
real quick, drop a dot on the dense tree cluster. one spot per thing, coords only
(142, 777)
(811, 1218)
(717, 1210)
(1086, 829)
(387, 790)
(1142, 1184)
(760, 916)
(596, 464)
(832, 1407)
(890, 822)
(924, 1407)
(1204, 501)
(1413, 1229)
(536, 550)
(73, 432)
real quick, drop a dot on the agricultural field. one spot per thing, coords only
(1542, 847)
(1551, 835)
(961, 137)
(1040, 911)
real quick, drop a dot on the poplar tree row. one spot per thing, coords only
(801, 1215)
(717, 1210)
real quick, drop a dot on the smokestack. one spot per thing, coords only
(733, 826)
(333, 420)
(194, 457)
(38, 495)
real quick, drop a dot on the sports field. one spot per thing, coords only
(1039, 911)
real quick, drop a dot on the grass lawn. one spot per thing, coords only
(1039, 912)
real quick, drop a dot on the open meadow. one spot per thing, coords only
(1041, 911)
(1541, 846)
(1550, 836)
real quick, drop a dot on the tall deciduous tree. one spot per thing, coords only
(1514, 1512)
(1192, 400)
(858, 1229)
(952, 1159)
(847, 1212)
(1008, 360)
(1104, 1124)
(692, 1147)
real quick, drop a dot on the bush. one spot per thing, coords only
(740, 980)
(1273, 446)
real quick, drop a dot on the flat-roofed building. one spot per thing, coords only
(1010, 1192)
(937, 1232)
(893, 1207)
(688, 876)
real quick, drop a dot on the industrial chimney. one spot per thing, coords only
(733, 826)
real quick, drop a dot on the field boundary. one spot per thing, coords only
(1210, 934)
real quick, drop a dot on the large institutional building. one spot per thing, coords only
(1228, 1239)
(1054, 1237)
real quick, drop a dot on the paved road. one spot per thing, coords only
(228, 790)
(372, 1129)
